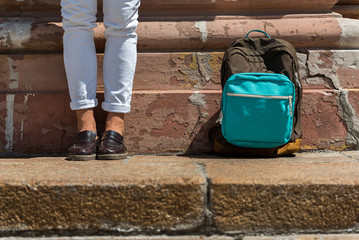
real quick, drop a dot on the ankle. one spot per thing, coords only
(85, 120)
(115, 122)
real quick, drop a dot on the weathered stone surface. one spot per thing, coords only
(36, 123)
(188, 35)
(349, 109)
(159, 121)
(183, 117)
(170, 8)
(172, 122)
(308, 237)
(164, 121)
(348, 11)
(160, 71)
(139, 237)
(349, 2)
(348, 8)
(339, 69)
(319, 69)
(322, 126)
(80, 196)
(147, 194)
(307, 157)
(172, 71)
(26, 73)
(286, 197)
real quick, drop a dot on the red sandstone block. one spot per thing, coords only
(172, 122)
(160, 71)
(348, 11)
(332, 69)
(322, 126)
(36, 123)
(353, 97)
(189, 8)
(32, 73)
(159, 122)
(173, 71)
(189, 35)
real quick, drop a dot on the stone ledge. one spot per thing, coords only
(166, 121)
(110, 196)
(177, 7)
(307, 237)
(212, 237)
(319, 69)
(138, 237)
(312, 192)
(348, 11)
(284, 196)
(348, 2)
(190, 35)
(160, 71)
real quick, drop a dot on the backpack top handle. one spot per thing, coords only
(247, 36)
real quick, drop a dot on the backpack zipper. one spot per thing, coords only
(220, 118)
(289, 98)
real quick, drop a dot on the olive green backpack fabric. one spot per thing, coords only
(261, 55)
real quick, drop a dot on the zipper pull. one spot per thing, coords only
(290, 105)
(220, 118)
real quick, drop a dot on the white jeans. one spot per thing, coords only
(120, 20)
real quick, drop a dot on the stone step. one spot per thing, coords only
(141, 237)
(348, 11)
(202, 237)
(348, 2)
(165, 121)
(348, 8)
(321, 31)
(307, 237)
(319, 69)
(180, 195)
(176, 7)
(176, 101)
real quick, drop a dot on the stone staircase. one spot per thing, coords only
(176, 100)
(176, 90)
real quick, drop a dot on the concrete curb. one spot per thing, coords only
(312, 192)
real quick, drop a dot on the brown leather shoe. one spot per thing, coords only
(111, 146)
(84, 147)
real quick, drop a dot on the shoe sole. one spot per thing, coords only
(81, 157)
(117, 156)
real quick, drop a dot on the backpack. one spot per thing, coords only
(261, 96)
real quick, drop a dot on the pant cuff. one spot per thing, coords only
(84, 104)
(116, 107)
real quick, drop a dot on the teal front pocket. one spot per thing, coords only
(258, 109)
(257, 121)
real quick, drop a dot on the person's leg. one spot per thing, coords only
(115, 122)
(85, 120)
(120, 20)
(79, 19)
